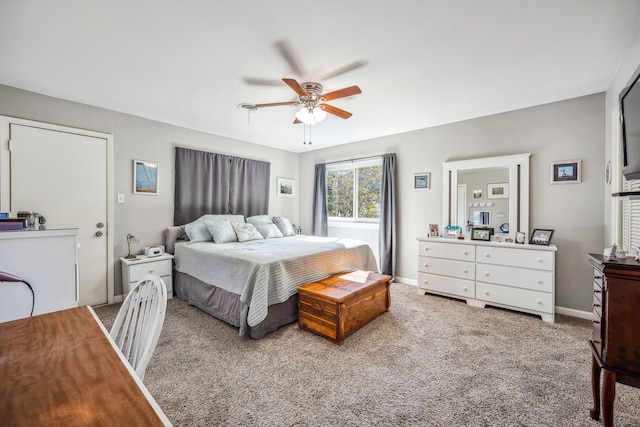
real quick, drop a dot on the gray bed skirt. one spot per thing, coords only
(227, 306)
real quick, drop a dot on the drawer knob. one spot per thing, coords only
(151, 270)
(486, 273)
(465, 253)
(486, 292)
(426, 249)
(426, 282)
(464, 288)
(464, 270)
(487, 255)
(539, 281)
(539, 302)
(539, 260)
(426, 265)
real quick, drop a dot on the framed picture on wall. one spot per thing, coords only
(422, 181)
(145, 177)
(566, 172)
(286, 187)
(498, 191)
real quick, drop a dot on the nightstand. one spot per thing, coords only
(133, 270)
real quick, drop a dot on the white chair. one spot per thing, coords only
(138, 324)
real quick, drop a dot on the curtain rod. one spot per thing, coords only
(353, 160)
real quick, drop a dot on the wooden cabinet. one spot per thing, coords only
(615, 344)
(48, 261)
(513, 276)
(134, 269)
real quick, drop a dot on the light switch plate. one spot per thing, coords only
(120, 198)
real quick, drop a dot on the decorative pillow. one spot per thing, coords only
(269, 231)
(257, 220)
(284, 225)
(246, 232)
(197, 230)
(222, 231)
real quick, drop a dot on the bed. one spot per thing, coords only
(252, 285)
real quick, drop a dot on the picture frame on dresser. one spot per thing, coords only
(481, 234)
(541, 236)
(433, 230)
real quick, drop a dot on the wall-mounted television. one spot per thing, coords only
(630, 112)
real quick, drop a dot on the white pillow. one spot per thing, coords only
(222, 231)
(197, 231)
(269, 231)
(246, 232)
(284, 224)
(257, 220)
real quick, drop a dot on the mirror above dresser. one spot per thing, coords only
(489, 190)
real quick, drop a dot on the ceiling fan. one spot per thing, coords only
(313, 101)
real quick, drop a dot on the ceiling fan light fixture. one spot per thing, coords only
(306, 116)
(319, 114)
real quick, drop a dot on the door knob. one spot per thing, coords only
(99, 233)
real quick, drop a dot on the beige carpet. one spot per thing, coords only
(429, 361)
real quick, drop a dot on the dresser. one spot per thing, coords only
(46, 259)
(508, 275)
(133, 270)
(615, 345)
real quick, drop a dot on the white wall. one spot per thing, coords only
(567, 130)
(137, 138)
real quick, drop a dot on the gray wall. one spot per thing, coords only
(137, 138)
(567, 130)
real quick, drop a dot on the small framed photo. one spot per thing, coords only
(498, 191)
(422, 181)
(566, 172)
(541, 237)
(521, 237)
(481, 234)
(477, 194)
(145, 177)
(286, 187)
(433, 230)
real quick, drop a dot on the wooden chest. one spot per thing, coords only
(336, 307)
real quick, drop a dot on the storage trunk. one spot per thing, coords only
(335, 307)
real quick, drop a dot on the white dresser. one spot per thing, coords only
(48, 261)
(509, 275)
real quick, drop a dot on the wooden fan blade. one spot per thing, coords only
(293, 84)
(284, 48)
(296, 121)
(335, 111)
(275, 104)
(342, 70)
(342, 93)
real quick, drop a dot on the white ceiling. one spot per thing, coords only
(424, 63)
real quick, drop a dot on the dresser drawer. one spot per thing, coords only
(445, 267)
(537, 280)
(447, 285)
(161, 268)
(514, 297)
(527, 258)
(453, 251)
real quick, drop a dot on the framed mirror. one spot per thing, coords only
(491, 191)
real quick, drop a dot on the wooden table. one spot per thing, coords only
(63, 368)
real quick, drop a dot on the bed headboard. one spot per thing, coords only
(172, 235)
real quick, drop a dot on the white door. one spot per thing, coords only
(63, 177)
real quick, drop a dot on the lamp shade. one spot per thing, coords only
(319, 114)
(306, 116)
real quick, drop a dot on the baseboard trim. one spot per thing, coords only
(559, 310)
(574, 313)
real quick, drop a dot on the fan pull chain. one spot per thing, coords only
(304, 135)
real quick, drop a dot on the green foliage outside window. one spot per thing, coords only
(341, 200)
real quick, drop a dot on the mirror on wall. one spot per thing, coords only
(488, 192)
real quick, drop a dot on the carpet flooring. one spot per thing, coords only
(429, 361)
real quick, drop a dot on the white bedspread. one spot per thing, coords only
(266, 272)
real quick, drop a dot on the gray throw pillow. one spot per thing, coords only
(284, 224)
(257, 220)
(269, 231)
(197, 230)
(222, 231)
(246, 232)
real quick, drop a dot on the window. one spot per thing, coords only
(353, 191)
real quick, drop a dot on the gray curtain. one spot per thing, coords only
(320, 202)
(211, 183)
(249, 187)
(388, 216)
